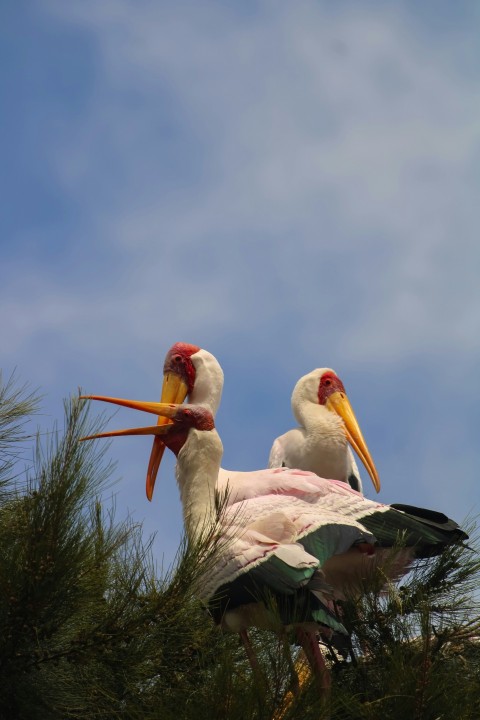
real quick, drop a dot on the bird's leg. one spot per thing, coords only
(257, 671)
(300, 673)
(309, 642)
(260, 680)
(295, 684)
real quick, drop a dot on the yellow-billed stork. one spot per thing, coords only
(291, 536)
(327, 425)
(187, 370)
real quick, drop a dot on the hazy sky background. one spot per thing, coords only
(287, 184)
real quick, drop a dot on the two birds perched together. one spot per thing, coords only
(299, 533)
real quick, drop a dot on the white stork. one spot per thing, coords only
(320, 405)
(290, 535)
(327, 424)
(187, 370)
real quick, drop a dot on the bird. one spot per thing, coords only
(187, 370)
(320, 404)
(296, 542)
(193, 371)
(326, 427)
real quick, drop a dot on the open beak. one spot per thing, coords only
(166, 411)
(174, 390)
(339, 403)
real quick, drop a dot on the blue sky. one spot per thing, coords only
(289, 185)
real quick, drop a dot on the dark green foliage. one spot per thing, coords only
(16, 406)
(88, 630)
(416, 652)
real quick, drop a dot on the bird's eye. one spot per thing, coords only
(177, 359)
(327, 382)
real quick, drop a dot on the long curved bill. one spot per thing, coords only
(164, 410)
(174, 390)
(150, 407)
(339, 403)
(148, 430)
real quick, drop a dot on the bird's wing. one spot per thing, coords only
(272, 482)
(285, 448)
(353, 473)
(277, 454)
(278, 539)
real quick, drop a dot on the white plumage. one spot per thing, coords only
(319, 443)
(285, 533)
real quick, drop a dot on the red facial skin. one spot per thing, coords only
(187, 417)
(329, 384)
(178, 361)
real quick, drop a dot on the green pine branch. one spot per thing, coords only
(89, 629)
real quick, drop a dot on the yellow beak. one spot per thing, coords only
(167, 412)
(339, 403)
(174, 390)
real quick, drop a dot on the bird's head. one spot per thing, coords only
(187, 370)
(178, 420)
(179, 375)
(179, 372)
(323, 387)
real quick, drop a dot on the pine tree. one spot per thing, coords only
(89, 629)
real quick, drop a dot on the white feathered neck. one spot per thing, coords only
(198, 463)
(306, 408)
(208, 385)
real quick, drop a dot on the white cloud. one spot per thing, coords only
(318, 133)
(297, 186)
